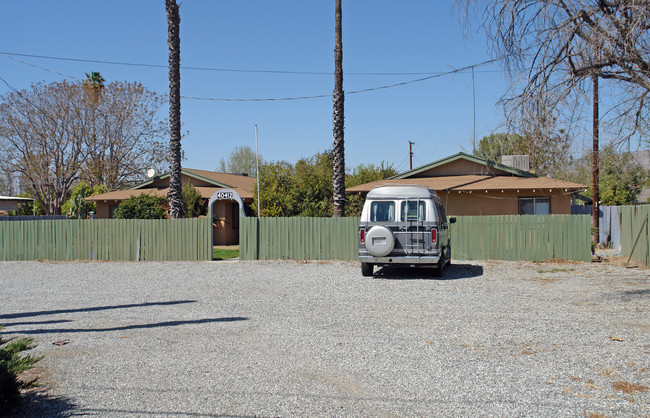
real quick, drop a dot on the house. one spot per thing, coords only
(225, 212)
(470, 186)
(10, 203)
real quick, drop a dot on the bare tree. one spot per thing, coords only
(175, 194)
(40, 131)
(338, 179)
(52, 135)
(123, 135)
(554, 47)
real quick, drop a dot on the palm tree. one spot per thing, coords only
(338, 180)
(93, 85)
(94, 80)
(175, 194)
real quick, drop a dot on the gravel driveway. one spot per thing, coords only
(242, 338)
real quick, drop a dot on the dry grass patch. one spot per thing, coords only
(629, 388)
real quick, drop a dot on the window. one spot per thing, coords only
(382, 212)
(442, 216)
(534, 205)
(111, 211)
(413, 211)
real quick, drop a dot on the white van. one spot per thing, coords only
(404, 226)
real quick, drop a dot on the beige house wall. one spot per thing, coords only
(479, 203)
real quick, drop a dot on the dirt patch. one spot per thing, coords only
(629, 388)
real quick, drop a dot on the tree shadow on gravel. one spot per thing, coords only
(130, 327)
(454, 272)
(39, 403)
(93, 309)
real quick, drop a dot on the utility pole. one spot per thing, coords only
(411, 143)
(257, 170)
(594, 161)
(474, 107)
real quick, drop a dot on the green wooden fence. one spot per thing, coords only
(635, 229)
(107, 239)
(298, 238)
(531, 238)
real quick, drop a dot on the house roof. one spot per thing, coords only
(470, 158)
(222, 180)
(493, 177)
(467, 183)
(241, 184)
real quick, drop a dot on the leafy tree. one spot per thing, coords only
(305, 189)
(276, 182)
(53, 135)
(311, 194)
(175, 194)
(192, 202)
(621, 178)
(364, 174)
(76, 207)
(143, 206)
(241, 160)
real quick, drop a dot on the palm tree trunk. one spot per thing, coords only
(175, 195)
(338, 180)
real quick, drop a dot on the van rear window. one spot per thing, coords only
(413, 211)
(382, 212)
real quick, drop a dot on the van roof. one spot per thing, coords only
(401, 192)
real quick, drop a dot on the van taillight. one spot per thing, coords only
(434, 236)
(362, 236)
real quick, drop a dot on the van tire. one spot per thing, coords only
(441, 266)
(366, 269)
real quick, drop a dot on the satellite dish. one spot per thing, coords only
(151, 172)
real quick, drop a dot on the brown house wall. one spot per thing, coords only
(103, 208)
(498, 203)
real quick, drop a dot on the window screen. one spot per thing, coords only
(413, 211)
(534, 206)
(382, 212)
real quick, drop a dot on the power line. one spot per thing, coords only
(37, 66)
(388, 86)
(436, 75)
(233, 70)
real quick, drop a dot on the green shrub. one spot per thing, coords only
(12, 363)
(76, 207)
(192, 202)
(144, 206)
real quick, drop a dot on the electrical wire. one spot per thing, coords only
(38, 66)
(388, 86)
(232, 70)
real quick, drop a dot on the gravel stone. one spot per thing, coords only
(254, 338)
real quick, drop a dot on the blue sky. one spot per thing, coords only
(411, 36)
